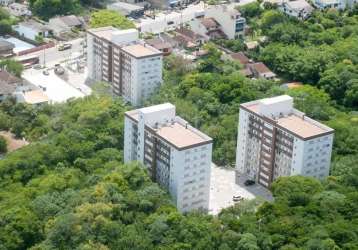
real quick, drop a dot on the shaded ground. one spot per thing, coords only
(13, 143)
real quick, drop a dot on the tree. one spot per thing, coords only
(12, 66)
(3, 144)
(251, 10)
(104, 18)
(50, 8)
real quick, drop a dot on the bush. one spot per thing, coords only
(3, 145)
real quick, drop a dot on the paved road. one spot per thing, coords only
(51, 56)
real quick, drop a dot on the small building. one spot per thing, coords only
(35, 97)
(260, 70)
(6, 49)
(63, 25)
(6, 2)
(18, 9)
(161, 45)
(207, 27)
(251, 45)
(239, 57)
(9, 84)
(187, 38)
(31, 29)
(127, 9)
(230, 19)
(299, 9)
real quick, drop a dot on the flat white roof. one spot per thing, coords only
(158, 107)
(108, 31)
(276, 99)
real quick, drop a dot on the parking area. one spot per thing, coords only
(223, 188)
(56, 89)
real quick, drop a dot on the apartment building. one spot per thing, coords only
(277, 140)
(176, 155)
(132, 67)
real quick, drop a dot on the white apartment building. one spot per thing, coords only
(176, 155)
(277, 140)
(133, 67)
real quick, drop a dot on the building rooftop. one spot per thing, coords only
(5, 45)
(35, 25)
(241, 57)
(295, 121)
(177, 132)
(103, 32)
(126, 7)
(180, 135)
(299, 5)
(35, 97)
(209, 23)
(8, 82)
(141, 50)
(159, 43)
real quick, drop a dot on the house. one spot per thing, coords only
(239, 57)
(31, 29)
(161, 45)
(207, 27)
(187, 38)
(336, 4)
(127, 9)
(6, 2)
(251, 45)
(260, 70)
(230, 19)
(9, 84)
(299, 9)
(35, 97)
(6, 48)
(63, 25)
(18, 9)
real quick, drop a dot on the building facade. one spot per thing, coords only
(231, 22)
(132, 67)
(336, 4)
(176, 155)
(277, 140)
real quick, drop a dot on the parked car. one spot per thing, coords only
(59, 70)
(38, 66)
(64, 46)
(237, 198)
(249, 182)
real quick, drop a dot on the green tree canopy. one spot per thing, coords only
(104, 18)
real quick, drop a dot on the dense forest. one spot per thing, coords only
(69, 188)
